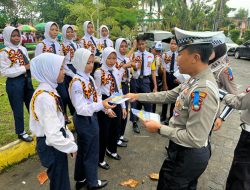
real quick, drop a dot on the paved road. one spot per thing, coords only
(146, 153)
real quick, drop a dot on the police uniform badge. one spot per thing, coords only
(198, 98)
(229, 73)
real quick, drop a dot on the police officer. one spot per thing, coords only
(239, 176)
(197, 102)
(222, 73)
(141, 79)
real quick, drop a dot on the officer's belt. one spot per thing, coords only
(142, 76)
(245, 127)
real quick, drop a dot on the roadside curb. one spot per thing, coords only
(18, 150)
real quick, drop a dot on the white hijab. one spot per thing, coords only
(118, 43)
(45, 68)
(80, 60)
(7, 31)
(102, 37)
(106, 52)
(47, 29)
(85, 28)
(64, 31)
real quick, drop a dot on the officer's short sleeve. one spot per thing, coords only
(227, 81)
(240, 102)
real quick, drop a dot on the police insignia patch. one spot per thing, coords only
(229, 73)
(197, 97)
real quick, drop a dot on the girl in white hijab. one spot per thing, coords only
(68, 49)
(54, 140)
(89, 41)
(14, 65)
(49, 44)
(108, 81)
(87, 103)
(104, 40)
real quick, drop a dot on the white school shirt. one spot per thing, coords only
(68, 57)
(40, 47)
(148, 60)
(122, 70)
(167, 65)
(5, 63)
(83, 105)
(89, 41)
(108, 42)
(105, 89)
(50, 121)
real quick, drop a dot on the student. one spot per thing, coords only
(68, 48)
(89, 41)
(107, 81)
(104, 40)
(142, 81)
(54, 140)
(123, 64)
(168, 78)
(14, 64)
(49, 44)
(87, 103)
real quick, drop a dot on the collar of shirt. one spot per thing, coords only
(83, 75)
(47, 87)
(140, 53)
(201, 74)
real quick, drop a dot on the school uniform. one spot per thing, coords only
(107, 82)
(170, 68)
(13, 59)
(89, 41)
(68, 49)
(54, 140)
(87, 103)
(141, 80)
(104, 41)
(126, 75)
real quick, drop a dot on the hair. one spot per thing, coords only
(173, 38)
(204, 50)
(140, 38)
(54, 25)
(219, 51)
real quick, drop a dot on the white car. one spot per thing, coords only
(231, 46)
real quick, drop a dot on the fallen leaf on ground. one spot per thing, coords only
(130, 183)
(154, 176)
(42, 177)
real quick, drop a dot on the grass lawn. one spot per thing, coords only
(7, 127)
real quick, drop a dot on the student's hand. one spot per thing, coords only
(127, 65)
(124, 113)
(217, 124)
(106, 104)
(133, 64)
(167, 58)
(73, 155)
(132, 96)
(155, 89)
(176, 81)
(134, 44)
(111, 114)
(27, 67)
(151, 126)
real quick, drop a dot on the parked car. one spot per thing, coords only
(243, 50)
(231, 46)
(157, 35)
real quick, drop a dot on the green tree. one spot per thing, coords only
(246, 35)
(234, 34)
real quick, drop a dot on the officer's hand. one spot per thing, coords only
(111, 114)
(165, 87)
(106, 104)
(151, 126)
(217, 124)
(132, 96)
(124, 113)
(155, 89)
(73, 155)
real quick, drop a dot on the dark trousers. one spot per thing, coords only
(86, 164)
(239, 175)
(108, 131)
(125, 90)
(171, 85)
(19, 90)
(182, 168)
(140, 85)
(57, 164)
(159, 85)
